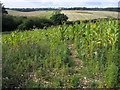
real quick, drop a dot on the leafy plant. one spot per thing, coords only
(75, 81)
(94, 85)
(59, 18)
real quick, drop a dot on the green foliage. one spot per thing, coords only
(18, 72)
(69, 23)
(111, 75)
(77, 22)
(10, 23)
(94, 85)
(26, 25)
(72, 22)
(32, 53)
(35, 22)
(75, 81)
(59, 18)
(112, 69)
(96, 46)
(42, 58)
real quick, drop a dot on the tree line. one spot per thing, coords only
(117, 9)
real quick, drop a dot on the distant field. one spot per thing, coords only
(33, 13)
(86, 15)
(72, 14)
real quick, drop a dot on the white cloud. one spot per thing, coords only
(60, 3)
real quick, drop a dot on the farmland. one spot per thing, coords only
(41, 14)
(60, 49)
(72, 14)
(75, 56)
(86, 15)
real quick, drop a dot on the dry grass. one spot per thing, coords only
(33, 13)
(72, 14)
(86, 15)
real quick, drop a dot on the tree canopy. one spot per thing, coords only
(59, 18)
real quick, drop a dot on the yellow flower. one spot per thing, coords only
(94, 25)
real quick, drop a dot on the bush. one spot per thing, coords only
(59, 18)
(10, 23)
(69, 23)
(35, 23)
(46, 22)
(27, 24)
(86, 21)
(72, 22)
(77, 22)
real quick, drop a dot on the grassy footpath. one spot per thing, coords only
(75, 56)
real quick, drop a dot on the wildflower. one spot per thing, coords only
(94, 25)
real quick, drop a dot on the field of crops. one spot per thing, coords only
(33, 13)
(86, 15)
(75, 56)
(72, 14)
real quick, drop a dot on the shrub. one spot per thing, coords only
(69, 23)
(77, 22)
(10, 23)
(35, 23)
(59, 18)
(27, 24)
(86, 21)
(94, 20)
(19, 19)
(46, 22)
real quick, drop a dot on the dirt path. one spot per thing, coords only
(79, 65)
(74, 54)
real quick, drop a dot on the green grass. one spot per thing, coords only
(43, 58)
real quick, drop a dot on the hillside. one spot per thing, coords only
(33, 13)
(86, 15)
(72, 14)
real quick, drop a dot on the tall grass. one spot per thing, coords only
(42, 58)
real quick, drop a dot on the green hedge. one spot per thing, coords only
(11, 23)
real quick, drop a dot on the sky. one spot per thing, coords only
(59, 3)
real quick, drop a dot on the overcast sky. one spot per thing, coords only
(59, 3)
